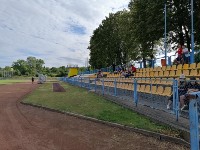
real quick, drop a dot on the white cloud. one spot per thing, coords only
(49, 29)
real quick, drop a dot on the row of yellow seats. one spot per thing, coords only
(160, 90)
(113, 75)
(163, 81)
(193, 72)
(173, 67)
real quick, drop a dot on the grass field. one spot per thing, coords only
(13, 81)
(78, 100)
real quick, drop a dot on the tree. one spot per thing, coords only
(31, 66)
(147, 27)
(31, 62)
(20, 66)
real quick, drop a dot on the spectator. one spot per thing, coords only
(193, 86)
(182, 89)
(32, 80)
(179, 60)
(180, 50)
(123, 73)
(133, 69)
(99, 74)
(186, 55)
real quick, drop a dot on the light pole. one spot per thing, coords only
(192, 32)
(165, 45)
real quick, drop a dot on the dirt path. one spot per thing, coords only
(28, 128)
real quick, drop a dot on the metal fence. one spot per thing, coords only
(153, 93)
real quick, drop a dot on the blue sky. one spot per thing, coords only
(57, 31)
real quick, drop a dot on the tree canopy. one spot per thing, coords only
(135, 33)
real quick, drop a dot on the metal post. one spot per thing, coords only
(115, 87)
(152, 62)
(192, 32)
(135, 97)
(165, 32)
(175, 99)
(89, 84)
(169, 60)
(194, 125)
(103, 86)
(95, 85)
(140, 64)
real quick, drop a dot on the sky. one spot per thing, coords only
(57, 31)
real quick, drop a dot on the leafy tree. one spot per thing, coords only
(20, 66)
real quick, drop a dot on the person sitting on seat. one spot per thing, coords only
(99, 74)
(192, 86)
(133, 69)
(182, 89)
(179, 60)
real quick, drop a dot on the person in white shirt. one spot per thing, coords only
(186, 55)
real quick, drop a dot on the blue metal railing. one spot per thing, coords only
(131, 95)
(194, 121)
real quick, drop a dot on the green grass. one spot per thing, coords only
(78, 100)
(12, 81)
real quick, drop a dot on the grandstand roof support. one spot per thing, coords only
(192, 32)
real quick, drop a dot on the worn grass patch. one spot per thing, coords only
(79, 100)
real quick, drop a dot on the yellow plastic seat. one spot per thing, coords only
(160, 90)
(166, 73)
(167, 92)
(172, 73)
(163, 81)
(151, 74)
(160, 74)
(198, 66)
(152, 81)
(156, 74)
(193, 66)
(186, 72)
(147, 74)
(178, 73)
(153, 90)
(148, 81)
(173, 67)
(155, 69)
(169, 81)
(159, 69)
(185, 66)
(130, 87)
(147, 69)
(163, 68)
(157, 81)
(168, 68)
(142, 88)
(180, 67)
(138, 88)
(147, 89)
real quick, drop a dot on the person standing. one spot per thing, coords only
(180, 50)
(32, 80)
(186, 55)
